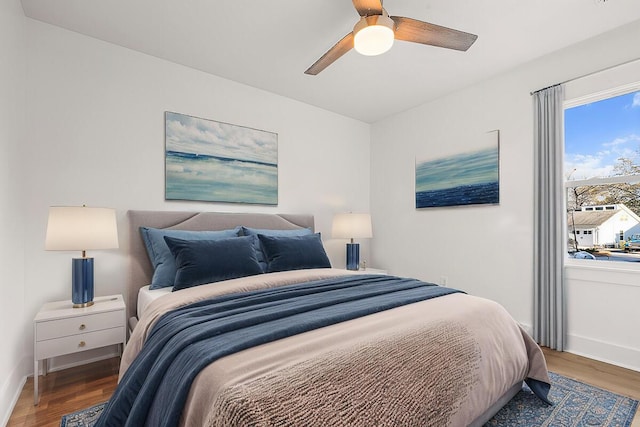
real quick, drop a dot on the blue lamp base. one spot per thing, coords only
(353, 256)
(82, 282)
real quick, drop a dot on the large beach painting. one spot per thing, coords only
(468, 178)
(211, 161)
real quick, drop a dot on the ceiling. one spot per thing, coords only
(269, 44)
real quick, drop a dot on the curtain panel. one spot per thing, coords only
(549, 240)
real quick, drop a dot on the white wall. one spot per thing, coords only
(488, 250)
(95, 119)
(602, 311)
(12, 312)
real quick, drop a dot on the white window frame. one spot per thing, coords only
(628, 179)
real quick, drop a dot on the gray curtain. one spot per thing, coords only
(550, 237)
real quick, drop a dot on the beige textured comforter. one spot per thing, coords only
(438, 362)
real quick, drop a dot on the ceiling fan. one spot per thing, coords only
(374, 33)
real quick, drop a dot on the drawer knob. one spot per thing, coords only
(83, 327)
(82, 344)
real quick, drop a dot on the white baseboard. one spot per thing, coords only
(11, 390)
(603, 351)
(16, 395)
(614, 354)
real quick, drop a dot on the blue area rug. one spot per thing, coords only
(84, 418)
(576, 405)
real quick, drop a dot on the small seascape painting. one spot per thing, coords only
(211, 161)
(468, 178)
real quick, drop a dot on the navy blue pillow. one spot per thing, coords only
(294, 253)
(164, 265)
(262, 259)
(208, 261)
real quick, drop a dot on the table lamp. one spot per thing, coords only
(352, 226)
(79, 228)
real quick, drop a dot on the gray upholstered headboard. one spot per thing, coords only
(141, 271)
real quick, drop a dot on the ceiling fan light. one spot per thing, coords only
(373, 35)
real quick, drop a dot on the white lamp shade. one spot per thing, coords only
(72, 228)
(351, 226)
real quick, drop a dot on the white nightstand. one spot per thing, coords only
(372, 271)
(60, 329)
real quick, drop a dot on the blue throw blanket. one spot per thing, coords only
(184, 341)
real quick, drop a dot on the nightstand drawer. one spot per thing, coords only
(75, 343)
(78, 325)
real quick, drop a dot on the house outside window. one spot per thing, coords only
(602, 173)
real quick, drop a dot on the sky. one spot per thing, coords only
(193, 135)
(597, 134)
(477, 167)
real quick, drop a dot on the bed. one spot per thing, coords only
(449, 359)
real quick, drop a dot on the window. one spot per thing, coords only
(602, 172)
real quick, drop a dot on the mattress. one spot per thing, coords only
(146, 296)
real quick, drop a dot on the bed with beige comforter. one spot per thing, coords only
(440, 362)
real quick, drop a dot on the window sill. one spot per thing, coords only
(602, 265)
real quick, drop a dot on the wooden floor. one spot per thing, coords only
(66, 391)
(73, 389)
(609, 377)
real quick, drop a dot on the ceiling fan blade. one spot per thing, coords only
(412, 30)
(339, 49)
(368, 7)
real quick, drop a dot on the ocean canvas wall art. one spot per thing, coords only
(467, 178)
(211, 161)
